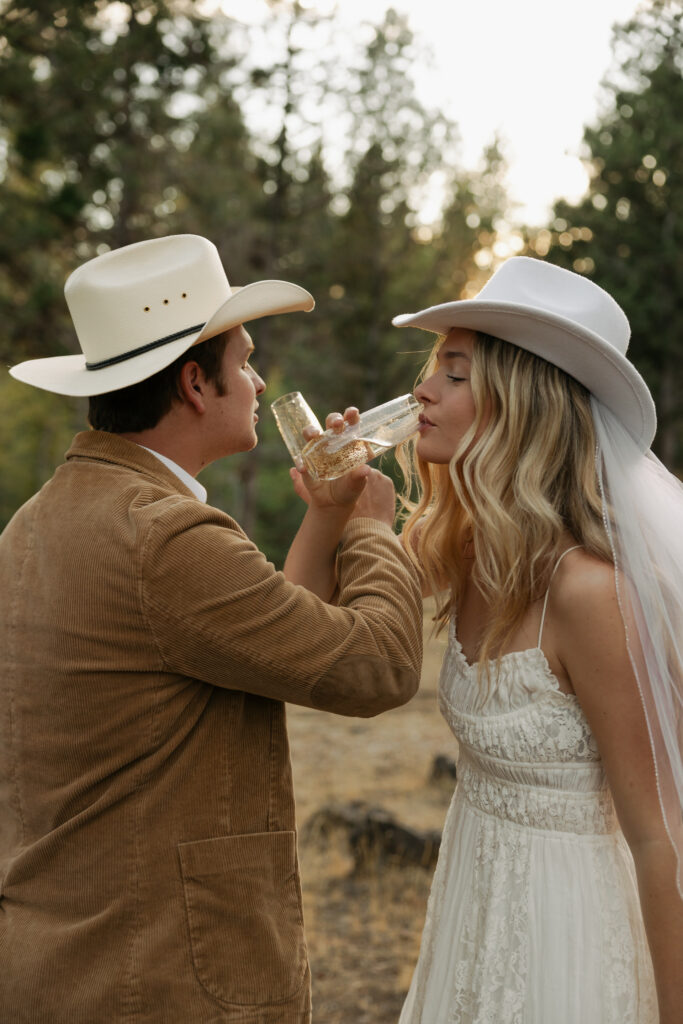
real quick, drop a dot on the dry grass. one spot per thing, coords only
(364, 931)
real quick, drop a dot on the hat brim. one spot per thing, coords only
(68, 375)
(578, 351)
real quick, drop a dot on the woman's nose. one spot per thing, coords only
(421, 392)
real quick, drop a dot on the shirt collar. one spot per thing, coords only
(197, 489)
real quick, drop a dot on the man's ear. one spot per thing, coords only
(192, 385)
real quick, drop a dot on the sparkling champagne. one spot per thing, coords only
(331, 453)
(326, 460)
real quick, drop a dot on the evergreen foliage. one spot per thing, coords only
(304, 156)
(627, 232)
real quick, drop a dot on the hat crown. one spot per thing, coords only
(561, 317)
(136, 295)
(546, 288)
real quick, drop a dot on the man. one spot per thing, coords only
(147, 837)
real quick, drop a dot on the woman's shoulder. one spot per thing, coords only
(584, 591)
(580, 569)
(590, 623)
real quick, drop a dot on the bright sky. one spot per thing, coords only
(528, 69)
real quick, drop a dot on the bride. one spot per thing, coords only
(553, 541)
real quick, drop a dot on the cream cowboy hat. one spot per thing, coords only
(138, 308)
(564, 318)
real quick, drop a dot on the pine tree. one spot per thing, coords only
(94, 111)
(627, 233)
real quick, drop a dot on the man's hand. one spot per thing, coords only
(311, 561)
(360, 492)
(343, 491)
(339, 493)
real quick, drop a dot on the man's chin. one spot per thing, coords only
(249, 444)
(239, 446)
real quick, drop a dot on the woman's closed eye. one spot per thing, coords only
(454, 378)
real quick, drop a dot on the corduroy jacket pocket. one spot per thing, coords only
(243, 904)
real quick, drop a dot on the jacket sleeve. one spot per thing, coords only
(220, 613)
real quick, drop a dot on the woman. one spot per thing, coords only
(551, 539)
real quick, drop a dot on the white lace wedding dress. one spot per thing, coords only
(533, 917)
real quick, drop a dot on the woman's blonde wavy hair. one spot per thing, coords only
(524, 473)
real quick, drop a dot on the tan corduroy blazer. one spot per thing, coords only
(148, 864)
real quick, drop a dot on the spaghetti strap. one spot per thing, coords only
(545, 601)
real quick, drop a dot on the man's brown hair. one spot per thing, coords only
(141, 406)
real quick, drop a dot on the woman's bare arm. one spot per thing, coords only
(591, 644)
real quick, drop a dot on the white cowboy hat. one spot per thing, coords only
(564, 318)
(138, 308)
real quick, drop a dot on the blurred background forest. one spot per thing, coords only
(303, 150)
(124, 121)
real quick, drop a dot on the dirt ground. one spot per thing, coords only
(364, 928)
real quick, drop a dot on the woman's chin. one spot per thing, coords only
(429, 453)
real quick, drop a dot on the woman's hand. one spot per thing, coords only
(377, 500)
(362, 492)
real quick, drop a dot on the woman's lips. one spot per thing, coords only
(425, 424)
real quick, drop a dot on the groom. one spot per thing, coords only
(148, 861)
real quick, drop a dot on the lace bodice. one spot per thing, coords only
(533, 915)
(527, 753)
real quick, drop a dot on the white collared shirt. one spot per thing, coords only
(197, 489)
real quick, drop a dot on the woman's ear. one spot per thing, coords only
(192, 386)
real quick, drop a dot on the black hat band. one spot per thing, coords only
(143, 348)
